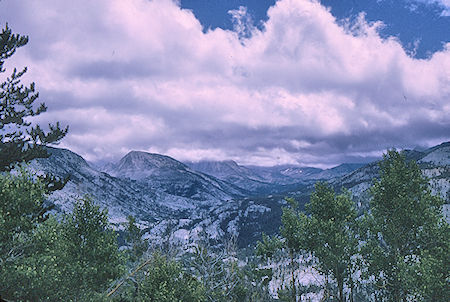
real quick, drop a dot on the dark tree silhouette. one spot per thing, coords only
(20, 141)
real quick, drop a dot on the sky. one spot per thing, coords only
(313, 83)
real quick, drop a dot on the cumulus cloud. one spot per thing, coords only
(305, 89)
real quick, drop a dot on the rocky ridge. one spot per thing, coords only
(216, 199)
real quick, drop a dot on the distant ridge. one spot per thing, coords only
(223, 199)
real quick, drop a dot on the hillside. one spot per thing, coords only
(218, 199)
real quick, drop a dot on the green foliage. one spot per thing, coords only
(160, 279)
(19, 141)
(91, 246)
(165, 281)
(292, 227)
(400, 247)
(44, 274)
(21, 208)
(292, 230)
(330, 234)
(432, 273)
(291, 242)
(406, 239)
(133, 238)
(268, 246)
(72, 258)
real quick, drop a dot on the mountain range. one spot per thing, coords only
(216, 199)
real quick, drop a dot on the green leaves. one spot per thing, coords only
(133, 237)
(66, 258)
(91, 246)
(21, 206)
(330, 234)
(406, 236)
(292, 227)
(165, 281)
(268, 246)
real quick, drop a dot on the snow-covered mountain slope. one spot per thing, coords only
(172, 192)
(144, 193)
(435, 165)
(338, 171)
(224, 169)
(160, 172)
(121, 197)
(140, 165)
(433, 162)
(284, 174)
(269, 180)
(235, 174)
(290, 174)
(438, 156)
(167, 195)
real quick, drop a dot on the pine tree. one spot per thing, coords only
(19, 140)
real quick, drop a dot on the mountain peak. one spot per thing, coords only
(140, 164)
(139, 158)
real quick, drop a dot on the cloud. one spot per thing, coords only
(305, 89)
(445, 4)
(243, 23)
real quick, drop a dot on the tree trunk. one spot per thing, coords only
(341, 289)
(351, 290)
(294, 292)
